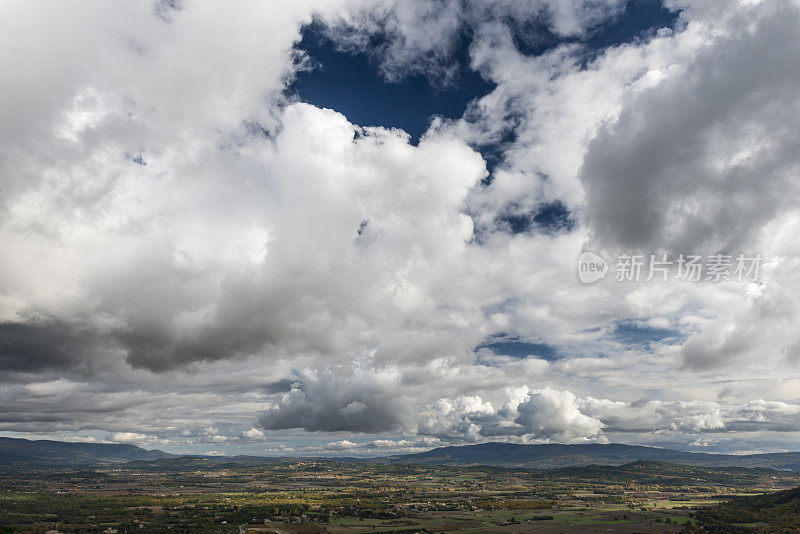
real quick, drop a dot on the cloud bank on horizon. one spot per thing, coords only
(197, 257)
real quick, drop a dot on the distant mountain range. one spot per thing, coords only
(553, 455)
(22, 451)
(46, 452)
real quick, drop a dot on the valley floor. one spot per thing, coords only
(327, 496)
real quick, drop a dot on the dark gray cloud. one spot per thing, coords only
(43, 344)
(702, 160)
(365, 402)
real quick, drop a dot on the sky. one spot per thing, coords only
(350, 227)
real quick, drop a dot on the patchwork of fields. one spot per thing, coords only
(308, 496)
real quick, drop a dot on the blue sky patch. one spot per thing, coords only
(550, 218)
(516, 348)
(352, 84)
(639, 19)
(637, 333)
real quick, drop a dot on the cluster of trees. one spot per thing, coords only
(774, 512)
